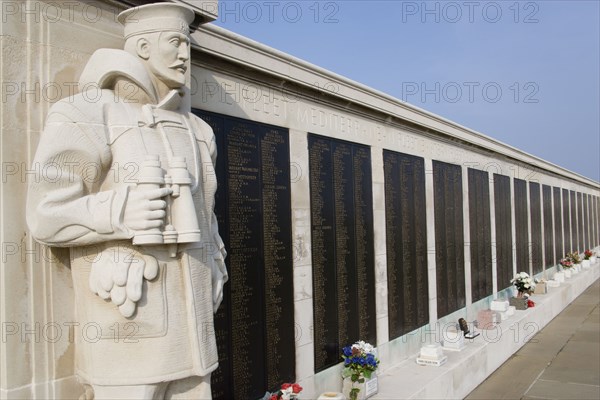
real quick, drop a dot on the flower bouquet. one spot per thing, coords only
(288, 391)
(576, 260)
(566, 263)
(588, 259)
(525, 286)
(524, 283)
(359, 363)
(574, 257)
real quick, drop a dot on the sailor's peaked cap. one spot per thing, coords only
(158, 17)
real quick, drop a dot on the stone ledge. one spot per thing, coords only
(465, 370)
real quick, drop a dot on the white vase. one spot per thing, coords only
(585, 264)
(567, 273)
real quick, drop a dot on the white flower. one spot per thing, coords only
(526, 286)
(364, 347)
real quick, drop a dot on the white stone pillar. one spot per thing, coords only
(431, 262)
(379, 230)
(301, 234)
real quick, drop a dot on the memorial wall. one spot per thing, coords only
(347, 215)
(395, 227)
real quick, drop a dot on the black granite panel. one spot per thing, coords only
(559, 248)
(597, 209)
(581, 223)
(406, 242)
(345, 241)
(277, 255)
(536, 227)
(597, 219)
(574, 224)
(364, 243)
(574, 229)
(502, 212)
(593, 234)
(590, 220)
(449, 237)
(221, 379)
(521, 225)
(548, 226)
(480, 232)
(255, 324)
(342, 246)
(323, 254)
(566, 221)
(586, 222)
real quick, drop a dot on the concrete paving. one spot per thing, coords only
(562, 361)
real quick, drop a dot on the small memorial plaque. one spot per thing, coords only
(432, 354)
(371, 386)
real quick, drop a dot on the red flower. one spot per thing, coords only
(296, 388)
(273, 397)
(530, 303)
(285, 386)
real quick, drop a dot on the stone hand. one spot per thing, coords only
(145, 209)
(119, 276)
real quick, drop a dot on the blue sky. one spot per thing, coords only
(526, 73)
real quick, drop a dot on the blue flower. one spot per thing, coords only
(347, 351)
(346, 361)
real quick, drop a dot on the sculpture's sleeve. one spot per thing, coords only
(64, 204)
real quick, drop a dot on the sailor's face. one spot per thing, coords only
(168, 55)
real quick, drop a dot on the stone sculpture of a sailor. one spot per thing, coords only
(131, 193)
